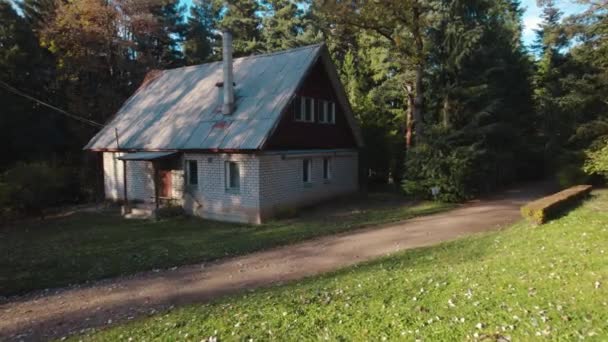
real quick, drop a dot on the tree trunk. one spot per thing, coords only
(409, 117)
(416, 94)
(446, 110)
(418, 99)
(409, 121)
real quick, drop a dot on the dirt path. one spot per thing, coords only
(41, 316)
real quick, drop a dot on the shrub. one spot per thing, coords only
(451, 170)
(596, 161)
(571, 175)
(547, 208)
(34, 187)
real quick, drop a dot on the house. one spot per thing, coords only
(238, 140)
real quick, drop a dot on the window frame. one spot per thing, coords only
(228, 176)
(297, 109)
(323, 111)
(300, 114)
(331, 113)
(327, 169)
(307, 171)
(188, 170)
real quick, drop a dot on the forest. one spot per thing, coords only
(446, 93)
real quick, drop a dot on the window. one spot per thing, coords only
(192, 172)
(323, 107)
(304, 109)
(327, 112)
(331, 113)
(309, 109)
(307, 170)
(297, 109)
(233, 176)
(326, 169)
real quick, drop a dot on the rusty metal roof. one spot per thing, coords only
(181, 108)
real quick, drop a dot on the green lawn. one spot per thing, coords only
(90, 246)
(520, 284)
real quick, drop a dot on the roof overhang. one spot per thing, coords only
(148, 156)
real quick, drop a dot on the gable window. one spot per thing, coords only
(327, 112)
(326, 169)
(323, 107)
(297, 109)
(307, 171)
(191, 172)
(304, 109)
(331, 112)
(233, 176)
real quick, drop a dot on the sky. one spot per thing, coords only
(532, 16)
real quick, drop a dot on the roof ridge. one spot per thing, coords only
(266, 54)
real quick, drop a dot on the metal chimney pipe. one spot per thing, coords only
(228, 85)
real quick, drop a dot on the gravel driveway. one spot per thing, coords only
(46, 315)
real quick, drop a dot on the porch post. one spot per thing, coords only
(124, 182)
(156, 181)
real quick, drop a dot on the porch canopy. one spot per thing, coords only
(149, 156)
(144, 156)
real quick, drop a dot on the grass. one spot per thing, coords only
(90, 246)
(524, 283)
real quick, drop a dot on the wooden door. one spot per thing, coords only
(165, 184)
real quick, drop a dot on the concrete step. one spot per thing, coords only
(140, 212)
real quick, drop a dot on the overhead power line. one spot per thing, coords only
(31, 98)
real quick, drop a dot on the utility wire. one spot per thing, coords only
(31, 98)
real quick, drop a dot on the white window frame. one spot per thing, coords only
(323, 111)
(331, 114)
(327, 169)
(228, 176)
(188, 172)
(300, 114)
(307, 180)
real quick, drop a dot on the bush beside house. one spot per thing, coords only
(32, 188)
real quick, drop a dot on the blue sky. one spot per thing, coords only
(532, 16)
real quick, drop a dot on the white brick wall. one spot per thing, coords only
(140, 181)
(211, 199)
(112, 176)
(282, 186)
(269, 183)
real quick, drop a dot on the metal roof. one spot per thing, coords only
(146, 155)
(181, 108)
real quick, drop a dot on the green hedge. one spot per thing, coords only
(547, 208)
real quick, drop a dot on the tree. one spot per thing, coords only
(242, 18)
(571, 85)
(287, 24)
(24, 65)
(200, 35)
(402, 24)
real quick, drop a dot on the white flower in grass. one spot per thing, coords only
(479, 325)
(597, 284)
(451, 303)
(469, 294)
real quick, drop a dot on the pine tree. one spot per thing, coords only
(243, 19)
(287, 24)
(199, 34)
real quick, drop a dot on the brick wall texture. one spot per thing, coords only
(270, 183)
